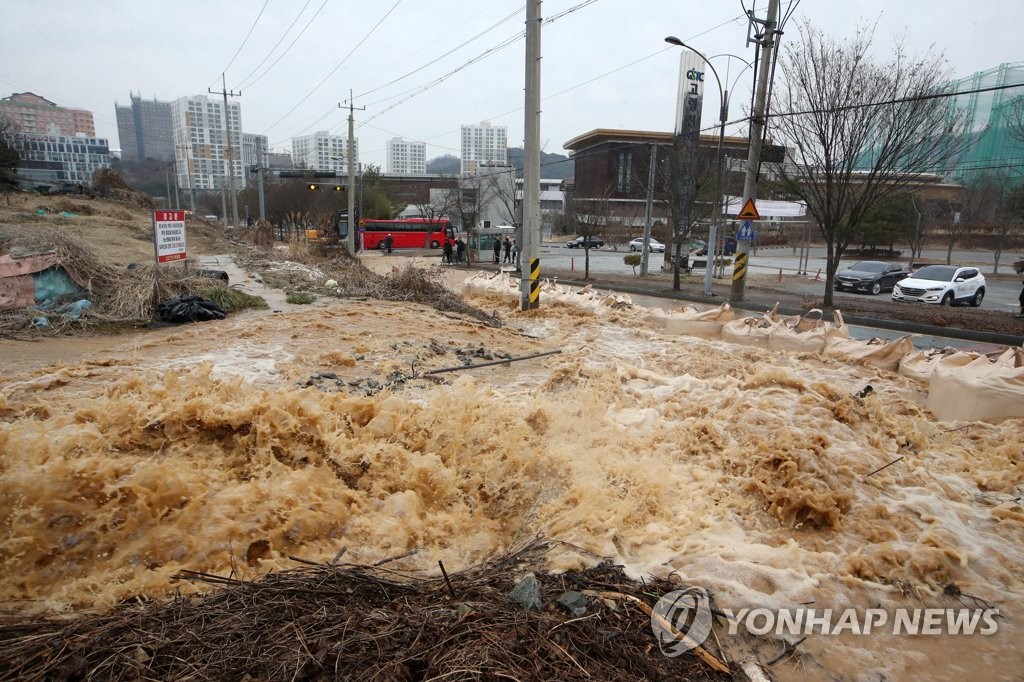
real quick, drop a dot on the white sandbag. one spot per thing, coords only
(805, 333)
(688, 321)
(981, 389)
(920, 364)
(881, 353)
(752, 331)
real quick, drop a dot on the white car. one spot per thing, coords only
(654, 245)
(942, 285)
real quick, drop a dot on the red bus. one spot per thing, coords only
(408, 233)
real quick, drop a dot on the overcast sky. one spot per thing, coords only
(605, 65)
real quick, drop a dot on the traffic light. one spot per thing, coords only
(312, 187)
(338, 188)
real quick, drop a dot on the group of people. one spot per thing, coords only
(510, 248)
(456, 250)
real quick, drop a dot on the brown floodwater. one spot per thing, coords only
(124, 460)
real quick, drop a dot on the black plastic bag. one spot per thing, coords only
(189, 308)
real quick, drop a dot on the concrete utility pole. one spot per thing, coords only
(260, 170)
(529, 282)
(351, 241)
(227, 134)
(766, 45)
(649, 213)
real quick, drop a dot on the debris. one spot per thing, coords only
(189, 308)
(526, 593)
(884, 466)
(573, 602)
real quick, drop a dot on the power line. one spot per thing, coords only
(290, 45)
(279, 41)
(246, 39)
(338, 66)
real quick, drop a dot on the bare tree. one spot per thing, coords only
(1015, 119)
(988, 209)
(9, 157)
(859, 130)
(589, 217)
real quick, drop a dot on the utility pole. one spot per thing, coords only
(649, 213)
(351, 174)
(766, 44)
(529, 281)
(188, 176)
(260, 170)
(227, 134)
(177, 200)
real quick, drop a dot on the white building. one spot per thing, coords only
(322, 151)
(201, 149)
(59, 159)
(483, 144)
(407, 157)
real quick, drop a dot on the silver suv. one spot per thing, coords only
(942, 285)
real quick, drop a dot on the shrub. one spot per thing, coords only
(633, 259)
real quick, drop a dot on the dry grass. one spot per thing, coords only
(327, 621)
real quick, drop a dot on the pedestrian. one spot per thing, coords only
(389, 242)
(515, 250)
(460, 249)
(497, 250)
(1020, 313)
(508, 250)
(446, 256)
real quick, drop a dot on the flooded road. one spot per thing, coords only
(241, 442)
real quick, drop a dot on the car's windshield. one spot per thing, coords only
(868, 266)
(938, 273)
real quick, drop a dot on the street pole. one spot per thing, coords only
(766, 45)
(227, 135)
(529, 282)
(260, 170)
(645, 251)
(351, 241)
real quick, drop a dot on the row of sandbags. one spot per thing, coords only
(961, 385)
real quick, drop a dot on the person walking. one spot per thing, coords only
(497, 250)
(1020, 299)
(446, 256)
(515, 251)
(508, 250)
(389, 242)
(460, 250)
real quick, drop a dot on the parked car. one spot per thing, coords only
(942, 285)
(581, 243)
(872, 276)
(653, 244)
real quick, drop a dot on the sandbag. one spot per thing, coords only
(752, 331)
(805, 333)
(189, 308)
(880, 353)
(920, 364)
(981, 389)
(688, 321)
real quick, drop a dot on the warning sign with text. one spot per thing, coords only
(169, 235)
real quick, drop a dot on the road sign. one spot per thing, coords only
(749, 211)
(169, 231)
(746, 233)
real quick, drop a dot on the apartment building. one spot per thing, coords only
(483, 144)
(58, 159)
(35, 115)
(145, 129)
(322, 151)
(202, 148)
(406, 157)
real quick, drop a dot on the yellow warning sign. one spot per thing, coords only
(749, 211)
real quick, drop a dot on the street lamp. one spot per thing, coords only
(717, 215)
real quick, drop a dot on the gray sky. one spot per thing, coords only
(605, 65)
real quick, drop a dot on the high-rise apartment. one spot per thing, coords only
(145, 129)
(407, 157)
(59, 159)
(201, 146)
(483, 144)
(322, 151)
(35, 115)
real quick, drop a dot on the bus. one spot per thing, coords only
(406, 233)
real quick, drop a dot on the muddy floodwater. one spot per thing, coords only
(239, 443)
